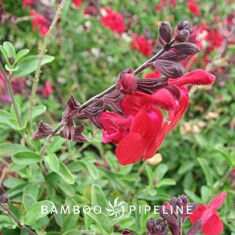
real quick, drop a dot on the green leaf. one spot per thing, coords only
(65, 174)
(21, 54)
(11, 69)
(53, 162)
(160, 171)
(98, 197)
(8, 120)
(26, 158)
(102, 221)
(35, 212)
(55, 145)
(93, 172)
(7, 149)
(67, 189)
(4, 53)
(227, 156)
(192, 196)
(29, 65)
(37, 111)
(10, 50)
(207, 170)
(6, 222)
(70, 222)
(166, 182)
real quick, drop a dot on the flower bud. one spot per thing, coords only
(165, 33)
(127, 82)
(150, 225)
(3, 198)
(43, 131)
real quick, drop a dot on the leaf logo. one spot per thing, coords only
(116, 210)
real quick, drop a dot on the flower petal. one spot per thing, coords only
(196, 77)
(213, 226)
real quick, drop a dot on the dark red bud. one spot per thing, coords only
(169, 69)
(150, 225)
(186, 48)
(43, 131)
(127, 82)
(126, 232)
(3, 198)
(164, 33)
(185, 24)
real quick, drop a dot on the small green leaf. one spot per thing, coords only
(102, 221)
(166, 182)
(26, 158)
(7, 149)
(8, 120)
(35, 213)
(29, 65)
(207, 170)
(37, 111)
(160, 171)
(21, 54)
(4, 53)
(90, 168)
(6, 222)
(11, 69)
(98, 197)
(9, 49)
(65, 174)
(53, 162)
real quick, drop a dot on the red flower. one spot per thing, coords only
(206, 218)
(113, 20)
(46, 91)
(141, 44)
(39, 21)
(141, 133)
(18, 85)
(27, 3)
(77, 3)
(194, 7)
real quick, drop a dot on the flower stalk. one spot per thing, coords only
(41, 54)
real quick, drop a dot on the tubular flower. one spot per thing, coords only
(40, 22)
(113, 20)
(194, 7)
(206, 218)
(141, 132)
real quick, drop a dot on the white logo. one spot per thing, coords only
(116, 210)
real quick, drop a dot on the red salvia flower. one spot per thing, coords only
(77, 3)
(141, 133)
(113, 20)
(141, 44)
(40, 22)
(194, 7)
(27, 3)
(46, 91)
(206, 218)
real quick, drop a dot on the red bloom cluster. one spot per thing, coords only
(40, 22)
(113, 20)
(194, 7)
(206, 217)
(140, 133)
(141, 44)
(27, 3)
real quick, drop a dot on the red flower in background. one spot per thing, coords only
(46, 91)
(113, 20)
(163, 3)
(206, 218)
(194, 7)
(141, 44)
(40, 22)
(27, 3)
(143, 129)
(77, 3)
